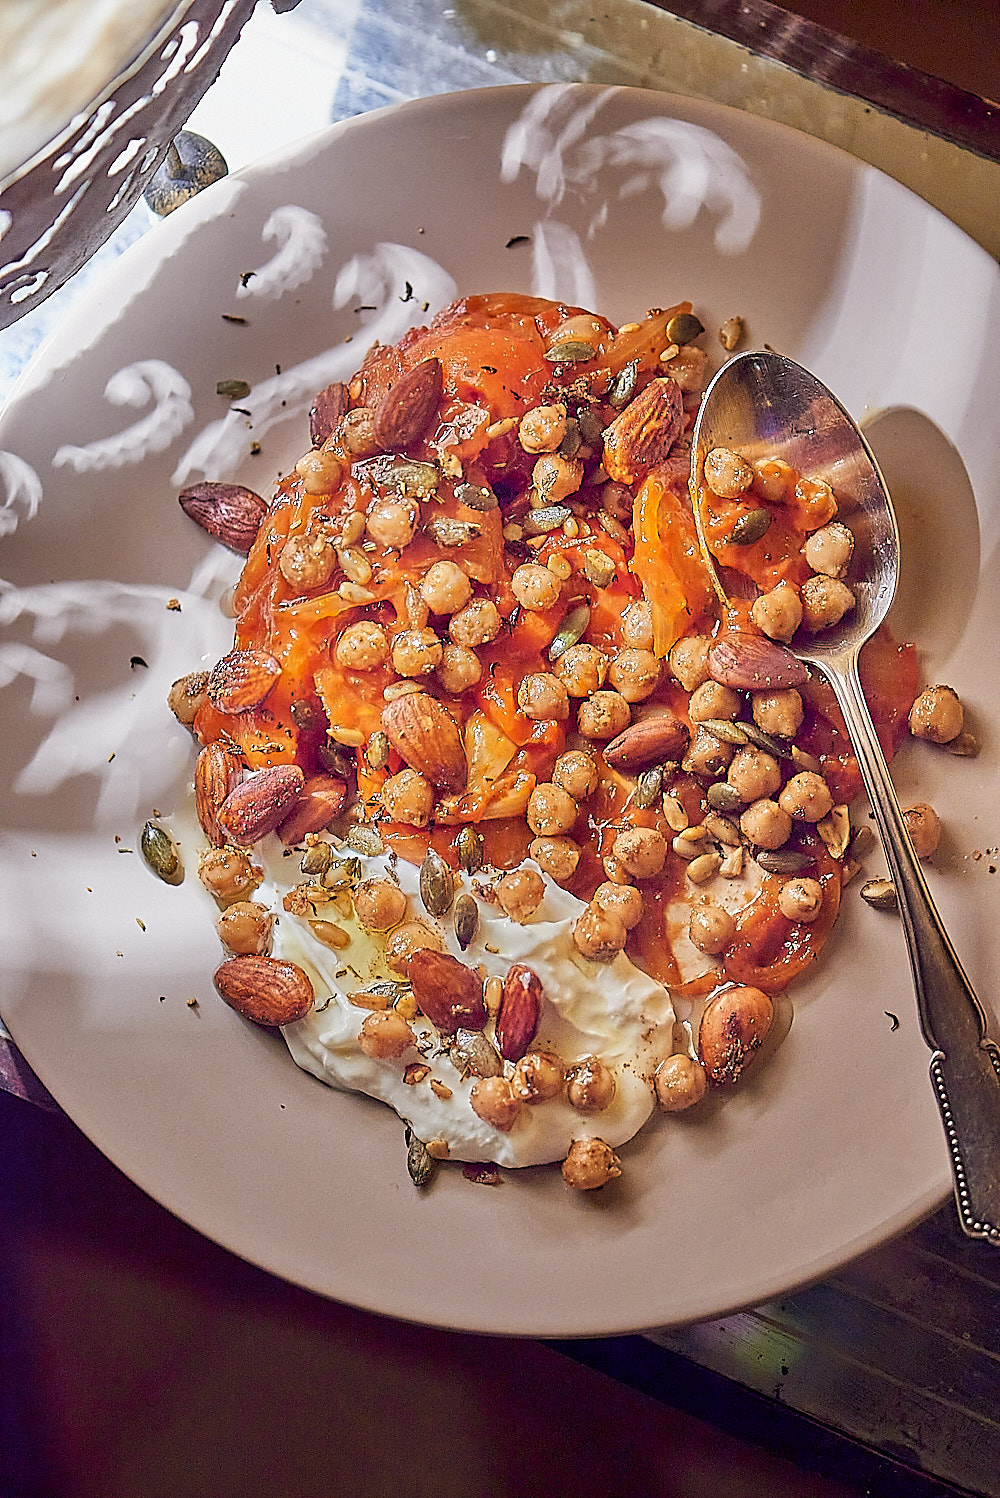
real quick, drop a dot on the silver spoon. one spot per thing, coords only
(765, 405)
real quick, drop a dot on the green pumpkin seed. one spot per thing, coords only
(406, 475)
(316, 860)
(469, 847)
(571, 351)
(540, 522)
(722, 797)
(466, 920)
(160, 852)
(725, 730)
(476, 497)
(572, 629)
(880, 893)
(421, 1165)
(684, 328)
(342, 874)
(769, 742)
(377, 752)
(598, 568)
(591, 427)
(472, 1054)
(437, 884)
(750, 527)
(782, 860)
(623, 385)
(305, 715)
(648, 787)
(571, 443)
(366, 841)
(450, 533)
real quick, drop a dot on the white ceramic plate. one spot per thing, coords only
(627, 199)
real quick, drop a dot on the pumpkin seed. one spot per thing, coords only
(723, 729)
(466, 920)
(419, 1162)
(377, 752)
(450, 533)
(550, 518)
(472, 1054)
(623, 385)
(767, 741)
(598, 568)
(880, 893)
(721, 796)
(571, 443)
(437, 883)
(305, 715)
(407, 475)
(316, 860)
(684, 328)
(469, 847)
(571, 351)
(366, 841)
(342, 873)
(750, 527)
(335, 758)
(572, 629)
(782, 860)
(591, 427)
(476, 497)
(648, 788)
(160, 852)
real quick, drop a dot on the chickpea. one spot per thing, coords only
(590, 1164)
(493, 1100)
(727, 474)
(711, 929)
(575, 772)
(408, 797)
(551, 810)
(385, 1035)
(637, 625)
(680, 1082)
(445, 588)
(187, 695)
(825, 601)
(924, 826)
(753, 774)
(405, 941)
(416, 652)
(816, 502)
(707, 755)
(713, 700)
(801, 899)
(641, 851)
(766, 824)
(321, 472)
(591, 1085)
(604, 715)
(357, 432)
(362, 646)
(391, 524)
(806, 797)
(779, 712)
(582, 669)
(829, 550)
(634, 673)
(688, 661)
(556, 477)
(228, 875)
(477, 624)
(535, 587)
(555, 856)
(937, 715)
(542, 430)
(520, 893)
(380, 905)
(537, 1077)
(599, 933)
(245, 928)
(307, 562)
(460, 669)
(623, 900)
(543, 697)
(687, 368)
(778, 614)
(774, 480)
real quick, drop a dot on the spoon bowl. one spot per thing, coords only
(765, 405)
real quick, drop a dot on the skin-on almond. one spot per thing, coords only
(321, 799)
(733, 1028)
(425, 735)
(216, 771)
(264, 989)
(519, 1012)
(643, 434)
(241, 680)
(448, 992)
(326, 410)
(648, 742)
(229, 512)
(752, 663)
(258, 804)
(404, 412)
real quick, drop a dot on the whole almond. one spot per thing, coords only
(241, 680)
(265, 989)
(643, 434)
(229, 512)
(321, 799)
(404, 412)
(648, 742)
(216, 771)
(326, 410)
(426, 736)
(732, 1030)
(519, 1012)
(448, 992)
(258, 804)
(752, 663)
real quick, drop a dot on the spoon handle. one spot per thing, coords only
(965, 1065)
